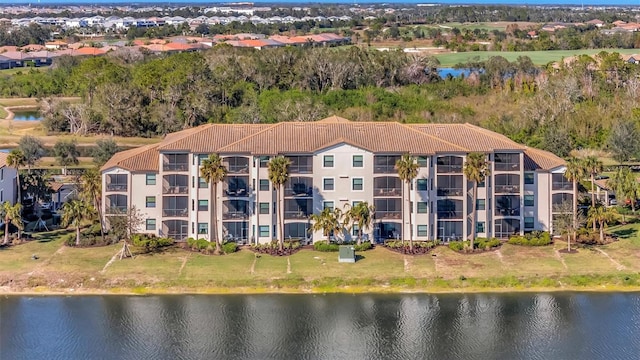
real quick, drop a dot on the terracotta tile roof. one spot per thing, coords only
(305, 138)
(209, 138)
(469, 137)
(535, 159)
(602, 184)
(3, 159)
(144, 158)
(55, 186)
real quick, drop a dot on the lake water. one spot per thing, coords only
(403, 326)
(27, 115)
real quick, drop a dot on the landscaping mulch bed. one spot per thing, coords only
(478, 251)
(565, 251)
(407, 251)
(275, 252)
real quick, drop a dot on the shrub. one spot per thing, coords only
(457, 245)
(229, 247)
(532, 239)
(325, 246)
(364, 246)
(484, 243)
(150, 242)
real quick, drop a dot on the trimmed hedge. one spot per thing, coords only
(364, 246)
(535, 238)
(397, 244)
(325, 246)
(478, 243)
(150, 242)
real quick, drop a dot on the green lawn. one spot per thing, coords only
(538, 57)
(60, 268)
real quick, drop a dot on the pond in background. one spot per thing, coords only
(444, 72)
(338, 326)
(27, 115)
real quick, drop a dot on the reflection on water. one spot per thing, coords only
(478, 326)
(27, 115)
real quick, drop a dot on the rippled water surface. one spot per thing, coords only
(478, 326)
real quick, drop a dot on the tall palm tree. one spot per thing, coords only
(575, 172)
(361, 215)
(624, 183)
(602, 215)
(327, 221)
(476, 169)
(213, 172)
(407, 168)
(278, 168)
(10, 213)
(74, 212)
(593, 166)
(16, 159)
(91, 183)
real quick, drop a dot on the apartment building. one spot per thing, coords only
(335, 162)
(8, 181)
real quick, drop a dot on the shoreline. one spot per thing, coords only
(46, 291)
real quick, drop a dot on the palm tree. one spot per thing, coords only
(327, 221)
(575, 172)
(213, 172)
(592, 167)
(361, 215)
(16, 160)
(92, 190)
(10, 213)
(73, 213)
(407, 169)
(624, 183)
(602, 215)
(278, 169)
(476, 169)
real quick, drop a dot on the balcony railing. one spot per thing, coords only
(299, 192)
(449, 169)
(300, 169)
(384, 169)
(175, 189)
(236, 192)
(117, 187)
(505, 166)
(507, 189)
(450, 191)
(562, 186)
(238, 169)
(175, 212)
(451, 214)
(175, 166)
(296, 215)
(234, 215)
(507, 212)
(387, 192)
(116, 210)
(388, 214)
(177, 236)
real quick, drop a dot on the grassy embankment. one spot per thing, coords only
(62, 269)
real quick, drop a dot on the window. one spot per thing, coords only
(480, 227)
(422, 184)
(355, 203)
(422, 161)
(203, 228)
(480, 204)
(423, 230)
(355, 230)
(327, 184)
(423, 208)
(529, 178)
(328, 161)
(328, 205)
(357, 184)
(151, 179)
(151, 224)
(1, 196)
(264, 161)
(202, 183)
(529, 200)
(358, 161)
(201, 158)
(151, 201)
(263, 230)
(203, 205)
(528, 222)
(482, 184)
(264, 185)
(264, 208)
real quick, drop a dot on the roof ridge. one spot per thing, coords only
(254, 134)
(493, 134)
(431, 136)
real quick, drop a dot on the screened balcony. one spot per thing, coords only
(235, 209)
(299, 186)
(175, 162)
(450, 185)
(504, 228)
(557, 200)
(507, 184)
(177, 230)
(235, 186)
(449, 164)
(175, 184)
(388, 208)
(506, 162)
(450, 209)
(300, 164)
(236, 164)
(507, 205)
(450, 230)
(116, 204)
(387, 186)
(175, 206)
(297, 230)
(298, 208)
(237, 231)
(117, 182)
(560, 182)
(385, 164)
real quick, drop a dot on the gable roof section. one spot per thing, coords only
(536, 159)
(3, 159)
(209, 138)
(469, 137)
(306, 138)
(144, 158)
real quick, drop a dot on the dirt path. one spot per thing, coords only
(559, 257)
(288, 266)
(47, 261)
(407, 266)
(113, 258)
(253, 265)
(500, 257)
(618, 266)
(184, 262)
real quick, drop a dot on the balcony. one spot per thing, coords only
(387, 192)
(507, 189)
(449, 164)
(237, 165)
(450, 214)
(385, 164)
(236, 192)
(175, 189)
(175, 166)
(116, 210)
(566, 186)
(117, 187)
(388, 214)
(175, 212)
(234, 215)
(299, 187)
(384, 169)
(443, 191)
(300, 164)
(296, 214)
